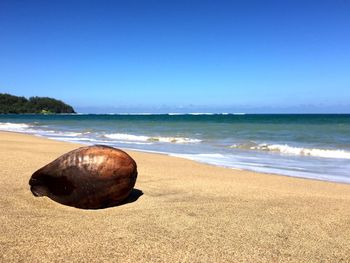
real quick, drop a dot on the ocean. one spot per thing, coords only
(298, 145)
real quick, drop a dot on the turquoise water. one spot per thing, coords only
(309, 146)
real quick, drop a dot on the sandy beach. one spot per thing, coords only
(189, 212)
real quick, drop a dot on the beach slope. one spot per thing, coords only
(189, 212)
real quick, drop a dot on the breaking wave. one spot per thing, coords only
(17, 127)
(141, 138)
(33, 128)
(286, 149)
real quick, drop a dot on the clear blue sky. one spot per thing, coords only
(179, 55)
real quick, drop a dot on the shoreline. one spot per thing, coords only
(238, 147)
(131, 151)
(189, 211)
(173, 155)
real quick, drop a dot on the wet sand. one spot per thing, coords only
(189, 212)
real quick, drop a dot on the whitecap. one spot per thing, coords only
(142, 138)
(8, 126)
(287, 149)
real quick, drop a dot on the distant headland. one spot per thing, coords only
(10, 104)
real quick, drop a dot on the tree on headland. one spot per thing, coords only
(10, 104)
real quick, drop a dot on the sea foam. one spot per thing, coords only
(142, 138)
(287, 149)
(8, 126)
(27, 128)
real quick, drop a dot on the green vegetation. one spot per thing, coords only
(40, 105)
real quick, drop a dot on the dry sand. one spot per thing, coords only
(189, 212)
